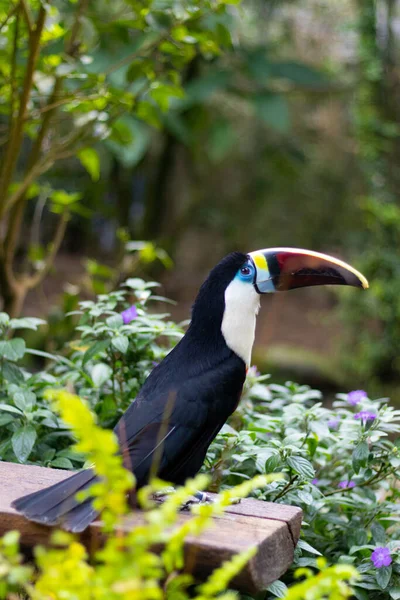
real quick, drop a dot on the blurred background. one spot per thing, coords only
(157, 137)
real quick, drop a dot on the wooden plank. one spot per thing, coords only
(273, 528)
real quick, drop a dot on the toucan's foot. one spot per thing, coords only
(203, 498)
(197, 498)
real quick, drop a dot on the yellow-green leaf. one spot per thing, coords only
(90, 160)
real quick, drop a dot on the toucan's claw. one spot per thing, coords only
(203, 498)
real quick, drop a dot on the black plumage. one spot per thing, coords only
(181, 407)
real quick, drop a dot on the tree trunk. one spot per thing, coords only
(13, 297)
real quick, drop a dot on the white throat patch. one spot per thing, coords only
(239, 322)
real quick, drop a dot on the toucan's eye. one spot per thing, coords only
(246, 272)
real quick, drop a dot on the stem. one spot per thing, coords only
(286, 488)
(379, 475)
(114, 387)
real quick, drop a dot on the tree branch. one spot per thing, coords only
(13, 82)
(16, 217)
(70, 48)
(34, 280)
(37, 170)
(17, 127)
(28, 17)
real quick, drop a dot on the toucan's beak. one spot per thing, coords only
(281, 269)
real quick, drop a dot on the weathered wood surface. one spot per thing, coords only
(273, 528)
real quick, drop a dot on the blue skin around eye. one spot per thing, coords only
(263, 287)
(247, 278)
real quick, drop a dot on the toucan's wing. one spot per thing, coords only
(168, 432)
(172, 452)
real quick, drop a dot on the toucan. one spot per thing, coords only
(188, 397)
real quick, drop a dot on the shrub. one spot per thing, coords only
(340, 466)
(115, 346)
(126, 567)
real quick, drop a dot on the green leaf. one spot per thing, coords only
(360, 456)
(62, 463)
(148, 113)
(312, 443)
(395, 593)
(25, 400)
(26, 323)
(64, 198)
(163, 93)
(12, 373)
(11, 409)
(5, 419)
(308, 548)
(96, 349)
(23, 441)
(202, 88)
(4, 319)
(298, 73)
(120, 343)
(383, 575)
(272, 463)
(12, 349)
(129, 141)
(273, 110)
(100, 374)
(115, 321)
(305, 497)
(278, 589)
(360, 594)
(301, 466)
(91, 161)
(96, 269)
(378, 533)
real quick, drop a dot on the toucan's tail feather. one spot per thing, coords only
(57, 504)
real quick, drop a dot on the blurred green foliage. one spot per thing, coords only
(373, 321)
(92, 83)
(198, 123)
(74, 74)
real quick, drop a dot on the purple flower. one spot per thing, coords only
(356, 396)
(365, 415)
(381, 557)
(315, 481)
(347, 484)
(253, 371)
(129, 314)
(333, 423)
